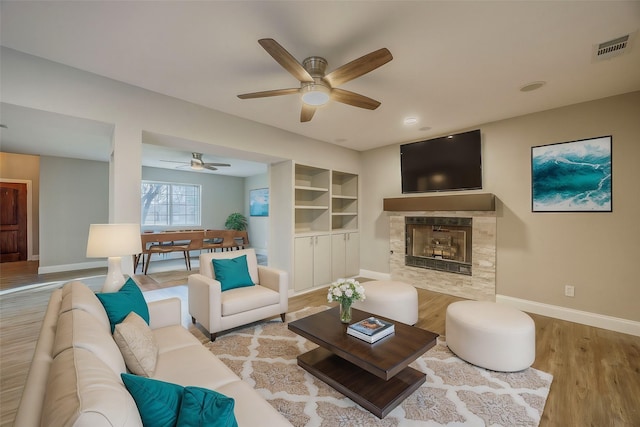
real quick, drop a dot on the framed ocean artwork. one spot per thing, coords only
(259, 202)
(572, 176)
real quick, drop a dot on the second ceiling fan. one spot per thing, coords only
(196, 163)
(316, 87)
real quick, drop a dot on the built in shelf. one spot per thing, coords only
(462, 202)
(302, 187)
(311, 207)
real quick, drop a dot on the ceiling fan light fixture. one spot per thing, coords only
(315, 94)
(196, 164)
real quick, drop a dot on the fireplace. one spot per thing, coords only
(477, 211)
(439, 243)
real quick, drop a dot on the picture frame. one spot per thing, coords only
(259, 202)
(574, 176)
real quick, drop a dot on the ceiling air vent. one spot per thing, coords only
(612, 48)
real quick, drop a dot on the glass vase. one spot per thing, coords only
(345, 311)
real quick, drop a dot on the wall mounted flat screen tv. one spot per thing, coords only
(442, 164)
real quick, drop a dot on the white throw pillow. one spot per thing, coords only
(137, 344)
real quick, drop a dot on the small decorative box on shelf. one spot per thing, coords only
(371, 329)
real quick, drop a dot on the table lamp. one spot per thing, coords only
(113, 241)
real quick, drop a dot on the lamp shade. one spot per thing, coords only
(113, 240)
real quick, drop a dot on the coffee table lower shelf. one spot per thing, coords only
(369, 391)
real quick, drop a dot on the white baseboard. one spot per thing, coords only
(376, 275)
(583, 317)
(69, 267)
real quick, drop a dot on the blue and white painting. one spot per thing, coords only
(572, 176)
(259, 202)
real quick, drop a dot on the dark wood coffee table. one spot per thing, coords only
(376, 376)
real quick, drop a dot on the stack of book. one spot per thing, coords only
(371, 329)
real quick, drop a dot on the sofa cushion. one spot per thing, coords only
(79, 329)
(204, 407)
(232, 272)
(137, 345)
(77, 295)
(240, 300)
(119, 304)
(171, 367)
(158, 401)
(82, 390)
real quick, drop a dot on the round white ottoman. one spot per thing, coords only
(491, 335)
(395, 300)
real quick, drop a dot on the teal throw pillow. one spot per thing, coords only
(119, 304)
(203, 407)
(158, 402)
(232, 273)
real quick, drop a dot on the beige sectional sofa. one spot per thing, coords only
(74, 379)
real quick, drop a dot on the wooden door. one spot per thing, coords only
(13, 222)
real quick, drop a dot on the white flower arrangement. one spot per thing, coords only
(345, 291)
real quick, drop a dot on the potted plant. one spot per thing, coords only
(236, 221)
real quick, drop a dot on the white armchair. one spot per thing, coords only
(218, 311)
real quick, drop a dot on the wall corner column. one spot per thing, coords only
(125, 176)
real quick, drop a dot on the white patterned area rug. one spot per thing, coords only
(455, 393)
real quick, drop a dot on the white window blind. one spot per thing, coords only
(170, 204)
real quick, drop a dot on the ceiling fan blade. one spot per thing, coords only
(359, 67)
(307, 113)
(354, 99)
(209, 167)
(174, 161)
(286, 60)
(266, 93)
(216, 164)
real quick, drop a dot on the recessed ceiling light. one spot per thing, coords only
(532, 86)
(410, 121)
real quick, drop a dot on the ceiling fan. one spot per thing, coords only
(316, 87)
(197, 163)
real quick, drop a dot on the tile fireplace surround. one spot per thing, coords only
(481, 285)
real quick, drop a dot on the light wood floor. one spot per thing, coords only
(596, 372)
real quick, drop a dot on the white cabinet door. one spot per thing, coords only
(345, 255)
(352, 254)
(312, 262)
(338, 249)
(322, 260)
(303, 263)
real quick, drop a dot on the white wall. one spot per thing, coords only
(539, 253)
(258, 227)
(73, 194)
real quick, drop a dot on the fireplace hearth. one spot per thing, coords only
(439, 243)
